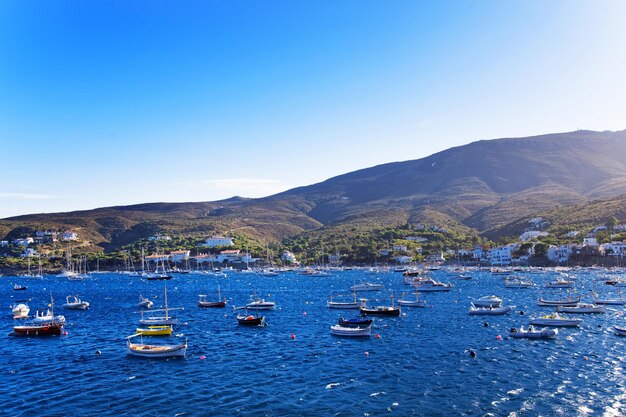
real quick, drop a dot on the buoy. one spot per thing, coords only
(403, 314)
(225, 315)
(366, 353)
(599, 326)
(472, 353)
(521, 313)
(498, 337)
(585, 358)
(485, 324)
(98, 353)
(65, 333)
(376, 336)
(293, 336)
(304, 314)
(202, 357)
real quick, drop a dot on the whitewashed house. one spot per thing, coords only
(289, 258)
(559, 253)
(399, 248)
(179, 255)
(403, 259)
(214, 241)
(614, 249)
(531, 234)
(24, 241)
(69, 236)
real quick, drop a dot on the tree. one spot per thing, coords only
(612, 222)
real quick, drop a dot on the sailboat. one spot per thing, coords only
(160, 320)
(381, 310)
(346, 304)
(159, 273)
(413, 303)
(220, 303)
(68, 272)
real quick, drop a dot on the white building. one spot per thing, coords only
(334, 259)
(621, 227)
(403, 259)
(289, 258)
(214, 241)
(531, 234)
(559, 253)
(384, 252)
(399, 248)
(179, 255)
(159, 237)
(536, 221)
(231, 256)
(69, 236)
(502, 255)
(418, 239)
(590, 241)
(23, 241)
(572, 233)
(614, 248)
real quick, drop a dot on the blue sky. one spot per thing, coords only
(109, 103)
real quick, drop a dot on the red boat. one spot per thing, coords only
(48, 329)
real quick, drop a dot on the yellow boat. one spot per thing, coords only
(155, 331)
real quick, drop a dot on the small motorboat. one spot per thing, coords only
(261, 304)
(488, 301)
(155, 331)
(531, 333)
(338, 330)
(20, 310)
(155, 351)
(47, 316)
(356, 322)
(156, 276)
(17, 287)
(72, 302)
(554, 303)
(144, 302)
(488, 311)
(354, 304)
(619, 331)
(43, 329)
(430, 285)
(555, 320)
(517, 282)
(413, 303)
(367, 286)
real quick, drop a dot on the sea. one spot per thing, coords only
(418, 364)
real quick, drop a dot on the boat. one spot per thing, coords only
(555, 320)
(72, 302)
(17, 287)
(155, 351)
(48, 325)
(610, 301)
(381, 310)
(220, 303)
(366, 286)
(155, 276)
(569, 301)
(346, 304)
(144, 302)
(356, 322)
(488, 301)
(153, 320)
(155, 330)
(619, 331)
(250, 320)
(20, 310)
(260, 304)
(338, 330)
(430, 285)
(531, 333)
(413, 303)
(559, 283)
(517, 282)
(488, 311)
(583, 308)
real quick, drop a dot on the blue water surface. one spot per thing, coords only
(419, 365)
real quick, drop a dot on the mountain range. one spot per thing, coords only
(483, 186)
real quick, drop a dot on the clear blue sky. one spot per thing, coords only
(121, 102)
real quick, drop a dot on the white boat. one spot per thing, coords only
(367, 286)
(583, 308)
(559, 284)
(558, 303)
(531, 333)
(155, 351)
(47, 316)
(488, 311)
(20, 310)
(261, 304)
(413, 303)
(144, 302)
(346, 304)
(555, 320)
(517, 282)
(611, 301)
(268, 273)
(72, 302)
(488, 301)
(338, 330)
(619, 331)
(430, 285)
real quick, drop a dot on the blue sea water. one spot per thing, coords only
(418, 366)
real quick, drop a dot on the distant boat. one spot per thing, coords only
(366, 286)
(155, 351)
(345, 304)
(583, 308)
(338, 330)
(250, 320)
(261, 304)
(413, 303)
(75, 303)
(488, 301)
(381, 310)
(163, 330)
(356, 322)
(48, 325)
(20, 310)
(220, 303)
(517, 282)
(555, 320)
(17, 287)
(160, 320)
(531, 333)
(488, 311)
(430, 285)
(619, 331)
(144, 302)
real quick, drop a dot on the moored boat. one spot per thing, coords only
(366, 286)
(72, 302)
(356, 322)
(488, 311)
(43, 329)
(532, 333)
(555, 320)
(619, 331)
(155, 330)
(17, 287)
(488, 301)
(220, 303)
(20, 310)
(155, 351)
(144, 302)
(250, 320)
(583, 308)
(338, 330)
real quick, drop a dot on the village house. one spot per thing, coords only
(289, 258)
(214, 241)
(179, 255)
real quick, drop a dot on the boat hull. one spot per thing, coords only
(38, 330)
(380, 311)
(212, 304)
(350, 331)
(157, 351)
(251, 321)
